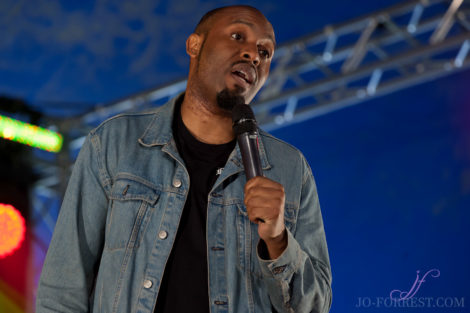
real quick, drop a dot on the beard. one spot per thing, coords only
(228, 99)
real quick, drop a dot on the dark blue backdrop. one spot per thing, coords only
(393, 176)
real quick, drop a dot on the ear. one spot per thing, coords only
(193, 45)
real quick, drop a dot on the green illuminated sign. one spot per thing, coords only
(30, 135)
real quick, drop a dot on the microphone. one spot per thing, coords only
(246, 130)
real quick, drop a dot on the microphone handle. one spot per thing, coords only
(248, 143)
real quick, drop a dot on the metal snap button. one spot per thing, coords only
(162, 234)
(147, 284)
(176, 183)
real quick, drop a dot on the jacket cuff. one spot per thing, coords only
(285, 265)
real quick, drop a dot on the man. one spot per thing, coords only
(158, 215)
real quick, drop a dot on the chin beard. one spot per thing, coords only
(228, 99)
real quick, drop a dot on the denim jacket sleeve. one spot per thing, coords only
(299, 280)
(73, 256)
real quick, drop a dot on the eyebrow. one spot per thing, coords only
(269, 36)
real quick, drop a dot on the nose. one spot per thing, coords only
(251, 54)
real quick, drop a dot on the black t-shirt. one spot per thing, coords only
(184, 286)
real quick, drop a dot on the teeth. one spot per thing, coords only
(242, 75)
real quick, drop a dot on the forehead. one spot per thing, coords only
(245, 16)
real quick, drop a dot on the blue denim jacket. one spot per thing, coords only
(121, 212)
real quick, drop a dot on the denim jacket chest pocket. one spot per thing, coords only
(131, 206)
(248, 238)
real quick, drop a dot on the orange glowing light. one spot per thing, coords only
(12, 229)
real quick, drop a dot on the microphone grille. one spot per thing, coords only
(243, 119)
(242, 111)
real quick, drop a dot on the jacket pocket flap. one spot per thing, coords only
(131, 189)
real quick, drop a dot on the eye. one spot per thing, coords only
(236, 36)
(263, 53)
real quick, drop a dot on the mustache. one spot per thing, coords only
(243, 61)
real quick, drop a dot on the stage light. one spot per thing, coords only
(12, 229)
(30, 135)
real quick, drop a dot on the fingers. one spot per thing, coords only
(262, 186)
(262, 181)
(264, 200)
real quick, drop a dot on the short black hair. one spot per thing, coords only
(203, 26)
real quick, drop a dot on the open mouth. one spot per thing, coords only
(244, 72)
(244, 76)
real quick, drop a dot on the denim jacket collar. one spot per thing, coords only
(159, 133)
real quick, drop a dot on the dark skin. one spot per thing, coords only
(235, 35)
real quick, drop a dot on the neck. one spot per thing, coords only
(205, 120)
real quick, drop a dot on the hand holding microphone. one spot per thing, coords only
(264, 198)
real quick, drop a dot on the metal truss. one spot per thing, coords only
(371, 56)
(341, 65)
(344, 64)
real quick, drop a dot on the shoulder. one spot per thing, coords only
(122, 121)
(283, 156)
(276, 147)
(129, 127)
